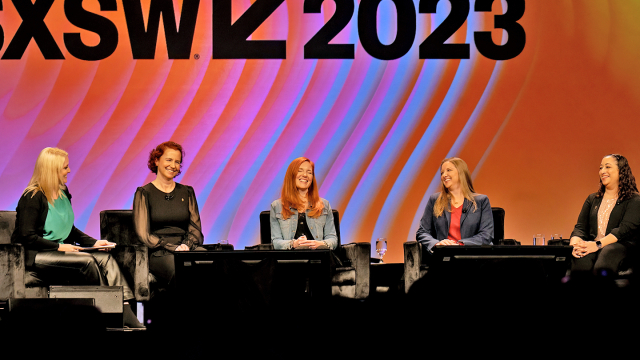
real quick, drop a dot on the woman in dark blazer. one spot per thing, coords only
(609, 221)
(456, 215)
(44, 226)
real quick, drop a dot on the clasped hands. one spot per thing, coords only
(182, 247)
(582, 248)
(447, 242)
(302, 241)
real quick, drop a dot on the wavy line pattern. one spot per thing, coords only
(377, 130)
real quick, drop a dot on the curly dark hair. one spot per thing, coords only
(627, 185)
(157, 153)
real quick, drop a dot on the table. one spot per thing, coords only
(525, 261)
(250, 278)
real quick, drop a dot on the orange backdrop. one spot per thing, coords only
(532, 128)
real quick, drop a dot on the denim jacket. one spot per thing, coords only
(283, 230)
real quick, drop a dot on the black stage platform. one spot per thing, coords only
(493, 304)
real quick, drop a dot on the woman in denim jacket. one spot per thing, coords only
(301, 219)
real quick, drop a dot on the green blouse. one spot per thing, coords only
(59, 220)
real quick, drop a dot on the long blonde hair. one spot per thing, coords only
(466, 185)
(46, 174)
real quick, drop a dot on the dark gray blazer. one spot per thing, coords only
(476, 227)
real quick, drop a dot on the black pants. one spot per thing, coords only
(162, 266)
(609, 259)
(80, 268)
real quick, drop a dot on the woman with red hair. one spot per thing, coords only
(301, 219)
(165, 213)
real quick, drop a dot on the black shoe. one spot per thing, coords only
(129, 318)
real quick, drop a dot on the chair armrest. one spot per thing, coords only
(557, 242)
(508, 242)
(412, 261)
(12, 269)
(359, 254)
(134, 263)
(259, 247)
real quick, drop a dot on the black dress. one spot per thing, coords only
(164, 221)
(303, 227)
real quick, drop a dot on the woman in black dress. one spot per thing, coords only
(166, 213)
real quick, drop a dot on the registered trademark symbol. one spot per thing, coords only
(196, 56)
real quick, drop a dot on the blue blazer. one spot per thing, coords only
(476, 227)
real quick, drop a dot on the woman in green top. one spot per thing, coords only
(44, 225)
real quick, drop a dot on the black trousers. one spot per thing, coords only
(162, 266)
(80, 268)
(609, 259)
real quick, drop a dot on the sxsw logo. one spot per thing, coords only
(229, 40)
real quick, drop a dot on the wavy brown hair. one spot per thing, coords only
(627, 184)
(157, 153)
(290, 196)
(443, 201)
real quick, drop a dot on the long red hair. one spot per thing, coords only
(290, 196)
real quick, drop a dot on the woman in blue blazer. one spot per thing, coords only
(456, 215)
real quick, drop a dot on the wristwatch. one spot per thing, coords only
(599, 244)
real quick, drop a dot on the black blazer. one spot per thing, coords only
(31, 215)
(624, 220)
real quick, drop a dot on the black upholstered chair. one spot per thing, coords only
(132, 256)
(351, 280)
(16, 281)
(416, 266)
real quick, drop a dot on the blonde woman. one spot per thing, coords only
(44, 226)
(456, 215)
